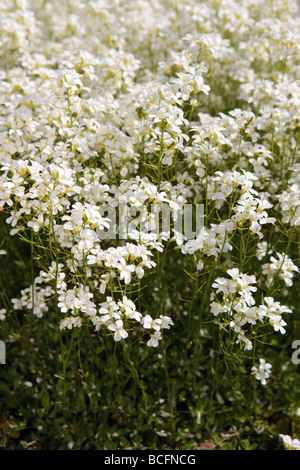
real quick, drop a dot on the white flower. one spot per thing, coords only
(261, 250)
(200, 265)
(125, 270)
(248, 346)
(263, 371)
(277, 322)
(166, 322)
(129, 309)
(148, 322)
(87, 239)
(2, 313)
(289, 442)
(154, 339)
(70, 322)
(119, 330)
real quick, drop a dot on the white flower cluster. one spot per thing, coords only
(111, 314)
(34, 298)
(282, 266)
(143, 103)
(290, 204)
(234, 304)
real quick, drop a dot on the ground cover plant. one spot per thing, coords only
(119, 328)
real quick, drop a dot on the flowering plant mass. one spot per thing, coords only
(149, 214)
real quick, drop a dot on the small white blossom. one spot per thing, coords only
(262, 372)
(118, 329)
(2, 313)
(154, 339)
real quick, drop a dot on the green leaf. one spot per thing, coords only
(45, 399)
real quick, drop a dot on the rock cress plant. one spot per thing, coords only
(148, 103)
